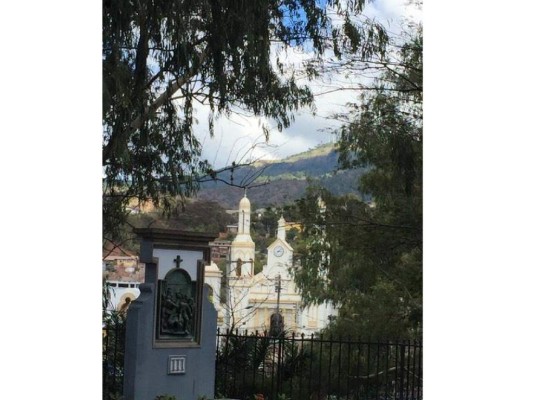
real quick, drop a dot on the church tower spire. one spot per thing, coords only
(243, 247)
(281, 228)
(244, 216)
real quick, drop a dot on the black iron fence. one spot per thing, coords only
(113, 345)
(258, 366)
(292, 367)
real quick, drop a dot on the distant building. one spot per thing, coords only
(257, 301)
(293, 225)
(134, 209)
(123, 273)
(121, 293)
(232, 228)
(220, 249)
(243, 300)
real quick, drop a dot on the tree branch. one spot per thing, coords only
(168, 93)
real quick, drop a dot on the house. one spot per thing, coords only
(123, 273)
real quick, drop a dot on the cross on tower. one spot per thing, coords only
(178, 260)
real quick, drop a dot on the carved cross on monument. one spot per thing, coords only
(178, 260)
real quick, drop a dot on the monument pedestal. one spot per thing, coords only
(171, 326)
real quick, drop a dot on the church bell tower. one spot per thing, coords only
(243, 247)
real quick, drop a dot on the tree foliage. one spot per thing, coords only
(367, 257)
(163, 58)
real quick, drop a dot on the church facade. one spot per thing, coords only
(268, 300)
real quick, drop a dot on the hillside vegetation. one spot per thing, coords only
(282, 183)
(285, 181)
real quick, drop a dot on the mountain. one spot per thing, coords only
(282, 182)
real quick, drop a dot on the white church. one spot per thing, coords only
(254, 302)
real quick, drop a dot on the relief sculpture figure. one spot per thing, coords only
(176, 313)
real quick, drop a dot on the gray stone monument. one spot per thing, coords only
(171, 326)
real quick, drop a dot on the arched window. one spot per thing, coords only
(276, 324)
(179, 281)
(238, 270)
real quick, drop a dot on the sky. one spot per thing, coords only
(240, 138)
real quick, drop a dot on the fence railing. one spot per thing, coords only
(293, 367)
(255, 366)
(113, 346)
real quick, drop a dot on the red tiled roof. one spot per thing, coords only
(111, 249)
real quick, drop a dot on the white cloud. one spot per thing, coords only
(241, 138)
(393, 11)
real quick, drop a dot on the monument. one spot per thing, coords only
(171, 326)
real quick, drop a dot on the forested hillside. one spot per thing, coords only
(283, 182)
